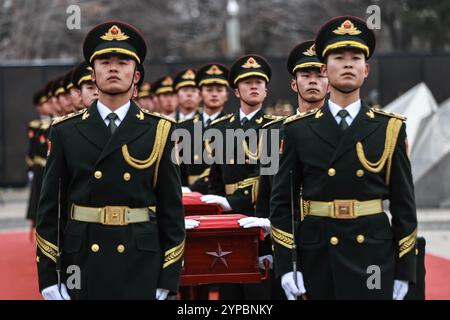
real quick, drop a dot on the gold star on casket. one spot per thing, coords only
(219, 254)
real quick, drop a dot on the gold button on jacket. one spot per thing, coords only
(334, 241)
(360, 238)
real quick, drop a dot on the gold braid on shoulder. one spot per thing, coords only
(162, 131)
(392, 132)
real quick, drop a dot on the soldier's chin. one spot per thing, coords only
(254, 101)
(347, 88)
(113, 90)
(312, 97)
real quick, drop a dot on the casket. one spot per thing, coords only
(194, 206)
(219, 250)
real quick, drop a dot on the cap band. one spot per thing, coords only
(307, 65)
(58, 91)
(346, 43)
(185, 84)
(84, 79)
(249, 74)
(214, 81)
(115, 50)
(164, 90)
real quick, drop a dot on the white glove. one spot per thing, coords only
(292, 289)
(191, 223)
(261, 261)
(400, 289)
(222, 201)
(52, 293)
(161, 294)
(252, 222)
(185, 190)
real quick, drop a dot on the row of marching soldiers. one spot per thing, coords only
(314, 145)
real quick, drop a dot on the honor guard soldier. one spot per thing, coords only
(234, 185)
(167, 99)
(37, 135)
(144, 98)
(212, 80)
(111, 188)
(346, 158)
(82, 80)
(63, 97)
(311, 87)
(187, 93)
(52, 99)
(74, 93)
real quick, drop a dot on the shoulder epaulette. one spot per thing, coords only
(68, 116)
(45, 124)
(159, 115)
(301, 115)
(183, 120)
(389, 114)
(194, 118)
(228, 116)
(272, 117)
(268, 124)
(34, 124)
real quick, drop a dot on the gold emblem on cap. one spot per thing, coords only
(188, 75)
(114, 33)
(251, 63)
(347, 27)
(311, 51)
(167, 81)
(146, 86)
(214, 70)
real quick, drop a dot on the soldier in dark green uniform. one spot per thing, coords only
(167, 99)
(37, 135)
(234, 184)
(188, 95)
(347, 158)
(212, 80)
(63, 94)
(311, 87)
(82, 81)
(110, 172)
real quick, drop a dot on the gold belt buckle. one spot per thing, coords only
(113, 216)
(344, 209)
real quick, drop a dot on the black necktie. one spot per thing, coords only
(208, 122)
(112, 123)
(244, 122)
(343, 124)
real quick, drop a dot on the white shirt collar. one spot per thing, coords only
(173, 115)
(212, 117)
(121, 112)
(248, 116)
(183, 116)
(353, 108)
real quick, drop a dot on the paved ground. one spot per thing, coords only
(434, 224)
